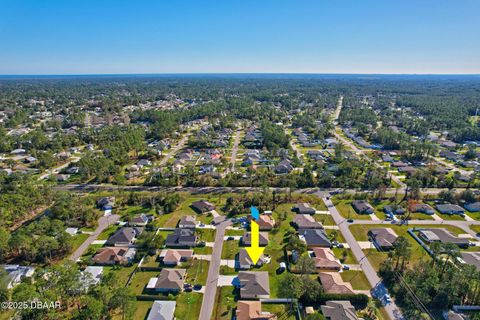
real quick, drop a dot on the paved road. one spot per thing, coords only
(59, 168)
(233, 160)
(352, 145)
(86, 187)
(174, 150)
(103, 223)
(392, 310)
(336, 114)
(213, 273)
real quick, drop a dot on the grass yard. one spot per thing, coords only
(475, 228)
(203, 250)
(346, 210)
(77, 240)
(197, 271)
(334, 234)
(143, 308)
(105, 234)
(230, 249)
(324, 219)
(122, 272)
(473, 215)
(188, 305)
(140, 280)
(230, 232)
(224, 270)
(151, 261)
(207, 235)
(281, 310)
(224, 303)
(349, 258)
(356, 278)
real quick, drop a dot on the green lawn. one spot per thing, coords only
(230, 232)
(324, 219)
(475, 228)
(122, 272)
(346, 210)
(105, 234)
(335, 234)
(202, 250)
(140, 280)
(473, 215)
(282, 310)
(227, 270)
(143, 308)
(230, 249)
(207, 235)
(224, 303)
(188, 305)
(349, 258)
(197, 271)
(356, 278)
(77, 240)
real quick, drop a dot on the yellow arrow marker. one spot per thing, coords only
(254, 251)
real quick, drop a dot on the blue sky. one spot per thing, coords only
(183, 36)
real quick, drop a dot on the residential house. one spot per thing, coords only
(162, 310)
(283, 167)
(124, 236)
(332, 282)
(442, 235)
(473, 207)
(187, 222)
(472, 258)
(171, 257)
(17, 273)
(140, 220)
(265, 222)
(92, 275)
(362, 207)
(203, 206)
(314, 238)
(252, 310)
(169, 280)
(106, 203)
(181, 238)
(114, 255)
(263, 239)
(393, 210)
(423, 208)
(304, 208)
(339, 310)
(245, 262)
(450, 209)
(305, 221)
(383, 238)
(325, 259)
(253, 285)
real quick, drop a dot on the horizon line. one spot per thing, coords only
(33, 75)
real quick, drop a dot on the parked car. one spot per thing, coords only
(197, 287)
(346, 267)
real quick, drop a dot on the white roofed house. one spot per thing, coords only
(16, 273)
